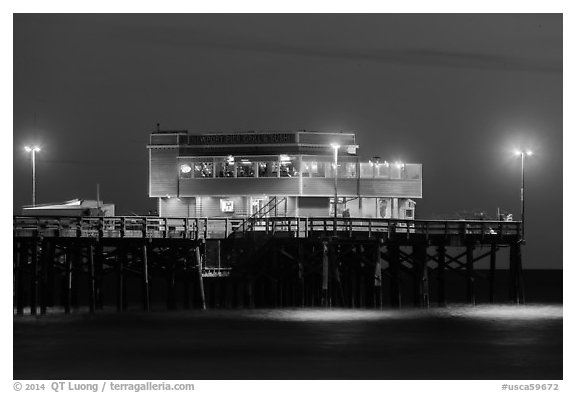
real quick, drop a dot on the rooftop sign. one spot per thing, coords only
(241, 139)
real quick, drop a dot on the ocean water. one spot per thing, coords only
(452, 343)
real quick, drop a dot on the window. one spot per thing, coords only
(245, 168)
(409, 213)
(347, 170)
(288, 166)
(382, 170)
(268, 169)
(313, 169)
(225, 166)
(203, 169)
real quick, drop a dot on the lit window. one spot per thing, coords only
(203, 169)
(313, 168)
(288, 166)
(268, 169)
(245, 168)
(225, 166)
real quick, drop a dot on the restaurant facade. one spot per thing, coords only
(288, 173)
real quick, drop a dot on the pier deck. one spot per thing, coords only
(269, 261)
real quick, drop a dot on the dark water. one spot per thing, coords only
(458, 342)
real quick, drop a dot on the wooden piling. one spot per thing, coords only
(99, 274)
(21, 261)
(470, 297)
(492, 277)
(91, 280)
(45, 284)
(171, 280)
(420, 273)
(441, 251)
(338, 294)
(301, 282)
(394, 265)
(68, 278)
(200, 279)
(77, 260)
(34, 277)
(325, 265)
(145, 278)
(377, 278)
(515, 274)
(120, 278)
(187, 279)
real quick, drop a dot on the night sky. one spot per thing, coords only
(457, 93)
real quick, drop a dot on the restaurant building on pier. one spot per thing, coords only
(288, 173)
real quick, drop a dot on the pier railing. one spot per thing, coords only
(222, 228)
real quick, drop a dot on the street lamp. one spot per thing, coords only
(522, 155)
(33, 150)
(335, 147)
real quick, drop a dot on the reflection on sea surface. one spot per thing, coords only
(456, 342)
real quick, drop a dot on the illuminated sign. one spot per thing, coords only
(226, 206)
(241, 139)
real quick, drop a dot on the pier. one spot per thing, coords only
(265, 262)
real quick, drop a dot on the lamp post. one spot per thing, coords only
(523, 155)
(33, 150)
(335, 147)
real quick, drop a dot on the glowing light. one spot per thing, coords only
(33, 148)
(284, 158)
(185, 168)
(505, 313)
(335, 146)
(529, 152)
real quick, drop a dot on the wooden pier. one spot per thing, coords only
(73, 262)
